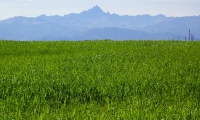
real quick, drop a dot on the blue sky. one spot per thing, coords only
(33, 8)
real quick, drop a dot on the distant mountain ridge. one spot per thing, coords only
(124, 34)
(97, 24)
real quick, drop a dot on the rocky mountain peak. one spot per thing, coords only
(96, 10)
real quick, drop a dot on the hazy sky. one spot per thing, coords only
(33, 8)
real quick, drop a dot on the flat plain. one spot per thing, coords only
(100, 79)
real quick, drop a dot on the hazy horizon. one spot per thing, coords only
(34, 8)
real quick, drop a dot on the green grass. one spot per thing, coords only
(99, 80)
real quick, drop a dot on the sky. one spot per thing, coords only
(33, 8)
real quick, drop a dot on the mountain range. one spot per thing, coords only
(97, 24)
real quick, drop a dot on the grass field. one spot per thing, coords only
(157, 80)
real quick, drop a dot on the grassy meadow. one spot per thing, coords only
(97, 80)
